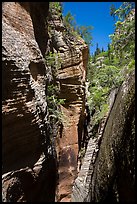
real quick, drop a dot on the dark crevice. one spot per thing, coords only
(39, 13)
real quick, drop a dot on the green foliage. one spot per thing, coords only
(102, 50)
(100, 114)
(107, 70)
(98, 51)
(112, 11)
(57, 6)
(103, 54)
(105, 76)
(53, 60)
(54, 102)
(131, 64)
(84, 32)
(73, 28)
(123, 40)
(107, 61)
(123, 11)
(69, 21)
(109, 51)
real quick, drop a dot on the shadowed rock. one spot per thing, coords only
(29, 170)
(110, 176)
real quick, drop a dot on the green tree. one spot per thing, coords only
(57, 6)
(123, 11)
(116, 62)
(83, 31)
(109, 51)
(123, 39)
(112, 11)
(102, 50)
(69, 22)
(97, 51)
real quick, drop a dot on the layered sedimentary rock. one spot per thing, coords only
(71, 77)
(30, 155)
(27, 160)
(110, 173)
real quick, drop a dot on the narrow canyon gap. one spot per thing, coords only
(40, 153)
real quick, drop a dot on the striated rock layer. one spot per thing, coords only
(31, 156)
(71, 78)
(110, 174)
(29, 167)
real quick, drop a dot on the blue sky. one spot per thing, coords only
(96, 14)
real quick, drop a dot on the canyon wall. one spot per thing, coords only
(71, 77)
(40, 153)
(27, 157)
(108, 170)
(39, 157)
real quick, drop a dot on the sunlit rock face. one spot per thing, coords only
(109, 174)
(71, 77)
(34, 168)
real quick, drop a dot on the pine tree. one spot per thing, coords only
(109, 52)
(97, 50)
(102, 49)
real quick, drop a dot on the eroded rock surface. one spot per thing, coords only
(31, 155)
(110, 177)
(25, 134)
(71, 77)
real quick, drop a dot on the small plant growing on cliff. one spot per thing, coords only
(53, 60)
(52, 96)
(54, 102)
(57, 6)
